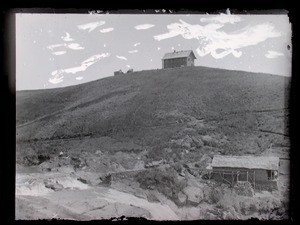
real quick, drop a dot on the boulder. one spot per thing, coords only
(205, 159)
(197, 141)
(182, 197)
(177, 141)
(207, 138)
(139, 165)
(209, 141)
(45, 166)
(187, 141)
(181, 173)
(196, 124)
(66, 169)
(53, 185)
(98, 152)
(31, 158)
(168, 150)
(194, 195)
(82, 180)
(210, 216)
(230, 214)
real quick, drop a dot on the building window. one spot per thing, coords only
(272, 174)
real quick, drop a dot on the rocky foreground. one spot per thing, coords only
(162, 192)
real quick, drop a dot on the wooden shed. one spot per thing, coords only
(260, 171)
(119, 72)
(178, 59)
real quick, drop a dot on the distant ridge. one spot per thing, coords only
(149, 107)
(159, 69)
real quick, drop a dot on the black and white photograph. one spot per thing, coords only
(158, 115)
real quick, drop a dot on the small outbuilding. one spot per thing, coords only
(178, 59)
(260, 171)
(130, 71)
(119, 72)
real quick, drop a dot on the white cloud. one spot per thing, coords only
(74, 46)
(273, 54)
(136, 44)
(121, 57)
(104, 45)
(106, 30)
(219, 43)
(79, 78)
(56, 80)
(133, 51)
(86, 63)
(143, 26)
(58, 74)
(158, 48)
(128, 66)
(59, 53)
(91, 26)
(51, 47)
(67, 37)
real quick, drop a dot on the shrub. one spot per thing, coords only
(31, 157)
(243, 188)
(227, 202)
(156, 153)
(165, 181)
(215, 195)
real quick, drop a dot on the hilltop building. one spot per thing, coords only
(119, 72)
(261, 171)
(130, 71)
(178, 59)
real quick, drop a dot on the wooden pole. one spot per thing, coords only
(254, 181)
(247, 176)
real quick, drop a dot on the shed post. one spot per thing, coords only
(254, 181)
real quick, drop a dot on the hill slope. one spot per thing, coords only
(188, 110)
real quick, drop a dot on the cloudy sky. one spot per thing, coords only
(57, 50)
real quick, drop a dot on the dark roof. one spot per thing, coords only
(249, 162)
(179, 54)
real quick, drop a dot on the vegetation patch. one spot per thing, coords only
(164, 181)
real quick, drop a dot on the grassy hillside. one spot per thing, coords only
(188, 110)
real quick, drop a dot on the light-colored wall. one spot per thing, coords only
(177, 62)
(190, 61)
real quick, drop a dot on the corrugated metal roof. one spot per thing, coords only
(178, 54)
(248, 162)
